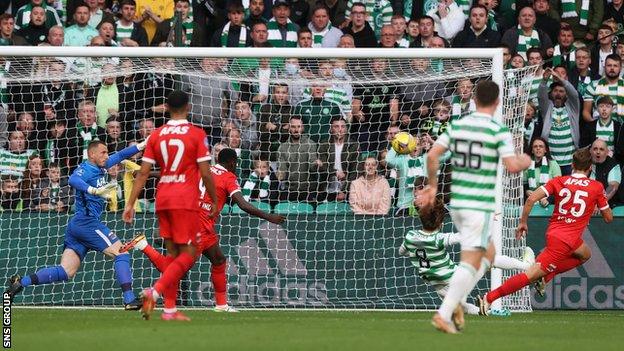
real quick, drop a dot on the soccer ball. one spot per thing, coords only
(404, 143)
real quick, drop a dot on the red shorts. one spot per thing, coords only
(179, 225)
(556, 251)
(208, 237)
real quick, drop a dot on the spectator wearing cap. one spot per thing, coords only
(81, 33)
(126, 29)
(22, 17)
(477, 34)
(234, 33)
(323, 33)
(448, 17)
(560, 111)
(7, 35)
(585, 17)
(361, 31)
(281, 30)
(526, 35)
(544, 20)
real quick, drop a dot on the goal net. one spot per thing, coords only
(287, 113)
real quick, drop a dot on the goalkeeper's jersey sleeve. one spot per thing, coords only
(88, 205)
(428, 254)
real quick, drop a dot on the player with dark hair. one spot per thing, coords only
(576, 197)
(180, 150)
(85, 231)
(226, 184)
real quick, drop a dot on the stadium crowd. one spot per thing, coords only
(304, 142)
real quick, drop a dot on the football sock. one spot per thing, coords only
(141, 245)
(219, 282)
(174, 272)
(160, 261)
(45, 276)
(470, 309)
(506, 262)
(171, 295)
(564, 266)
(510, 286)
(123, 274)
(460, 283)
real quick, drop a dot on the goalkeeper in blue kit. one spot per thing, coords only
(85, 231)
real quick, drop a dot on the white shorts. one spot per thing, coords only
(473, 227)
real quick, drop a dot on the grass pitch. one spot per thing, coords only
(58, 329)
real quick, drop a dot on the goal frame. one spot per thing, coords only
(493, 54)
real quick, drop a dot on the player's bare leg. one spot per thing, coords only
(218, 276)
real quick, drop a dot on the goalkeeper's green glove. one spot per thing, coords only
(104, 191)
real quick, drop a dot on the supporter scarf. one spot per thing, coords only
(319, 36)
(558, 57)
(187, 25)
(253, 182)
(544, 174)
(527, 42)
(568, 10)
(275, 36)
(492, 20)
(87, 134)
(464, 5)
(242, 38)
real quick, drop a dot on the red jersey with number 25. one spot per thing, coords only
(177, 148)
(225, 185)
(576, 197)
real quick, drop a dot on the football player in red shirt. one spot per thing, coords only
(180, 150)
(576, 198)
(226, 184)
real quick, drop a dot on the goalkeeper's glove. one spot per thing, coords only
(104, 191)
(141, 146)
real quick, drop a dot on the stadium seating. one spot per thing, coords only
(294, 208)
(261, 205)
(333, 208)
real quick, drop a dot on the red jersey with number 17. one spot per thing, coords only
(576, 197)
(225, 185)
(177, 148)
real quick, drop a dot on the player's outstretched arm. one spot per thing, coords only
(139, 183)
(252, 210)
(517, 163)
(535, 196)
(76, 182)
(204, 171)
(126, 153)
(426, 197)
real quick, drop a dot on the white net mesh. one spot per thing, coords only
(324, 255)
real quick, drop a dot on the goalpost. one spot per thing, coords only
(323, 256)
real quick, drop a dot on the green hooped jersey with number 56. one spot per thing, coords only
(476, 143)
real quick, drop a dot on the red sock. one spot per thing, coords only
(510, 286)
(174, 272)
(219, 282)
(160, 261)
(564, 266)
(171, 295)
